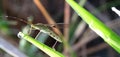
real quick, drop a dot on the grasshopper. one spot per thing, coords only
(42, 28)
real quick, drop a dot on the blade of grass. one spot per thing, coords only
(96, 25)
(66, 20)
(51, 52)
(90, 35)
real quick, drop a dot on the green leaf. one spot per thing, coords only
(96, 25)
(51, 52)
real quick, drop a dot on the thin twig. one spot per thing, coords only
(88, 36)
(66, 20)
(49, 19)
(95, 49)
(79, 30)
(66, 30)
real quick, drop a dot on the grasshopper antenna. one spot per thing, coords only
(19, 19)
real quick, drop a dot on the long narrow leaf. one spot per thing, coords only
(96, 25)
(51, 52)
